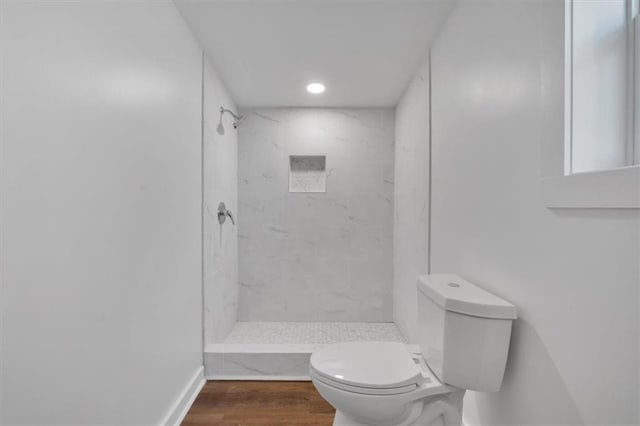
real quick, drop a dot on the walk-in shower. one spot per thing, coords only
(315, 239)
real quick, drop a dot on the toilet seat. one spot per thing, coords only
(362, 390)
(371, 368)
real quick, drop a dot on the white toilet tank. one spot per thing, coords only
(463, 332)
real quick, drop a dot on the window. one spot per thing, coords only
(602, 130)
(600, 164)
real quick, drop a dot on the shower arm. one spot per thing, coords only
(235, 116)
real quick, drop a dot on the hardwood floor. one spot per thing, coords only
(240, 403)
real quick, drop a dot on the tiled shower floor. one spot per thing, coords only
(281, 350)
(311, 333)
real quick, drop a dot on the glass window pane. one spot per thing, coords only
(599, 138)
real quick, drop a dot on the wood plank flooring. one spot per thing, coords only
(240, 403)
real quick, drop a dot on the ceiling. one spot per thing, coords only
(267, 51)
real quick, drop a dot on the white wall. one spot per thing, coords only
(411, 199)
(220, 184)
(101, 218)
(316, 256)
(497, 81)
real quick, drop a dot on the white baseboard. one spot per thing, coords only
(180, 408)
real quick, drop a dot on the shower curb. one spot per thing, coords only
(238, 361)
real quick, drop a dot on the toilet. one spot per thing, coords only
(463, 335)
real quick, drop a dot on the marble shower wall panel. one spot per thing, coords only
(220, 249)
(316, 256)
(411, 203)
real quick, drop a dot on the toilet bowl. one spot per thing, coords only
(463, 335)
(383, 383)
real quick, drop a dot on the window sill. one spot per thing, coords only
(609, 189)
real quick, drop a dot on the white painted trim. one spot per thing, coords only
(273, 378)
(636, 84)
(568, 84)
(617, 188)
(181, 406)
(631, 82)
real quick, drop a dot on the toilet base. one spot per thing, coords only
(341, 420)
(445, 411)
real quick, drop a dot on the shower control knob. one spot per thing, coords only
(223, 213)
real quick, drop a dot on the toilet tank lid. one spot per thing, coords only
(456, 294)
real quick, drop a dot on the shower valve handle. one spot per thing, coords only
(223, 213)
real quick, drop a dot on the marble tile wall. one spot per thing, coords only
(411, 202)
(316, 256)
(220, 250)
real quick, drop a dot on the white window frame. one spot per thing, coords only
(614, 188)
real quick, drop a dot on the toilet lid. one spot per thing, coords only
(367, 364)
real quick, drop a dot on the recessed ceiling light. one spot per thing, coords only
(315, 88)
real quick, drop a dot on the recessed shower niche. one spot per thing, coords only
(307, 173)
